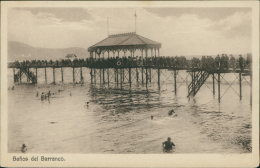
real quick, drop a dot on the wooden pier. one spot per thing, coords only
(121, 68)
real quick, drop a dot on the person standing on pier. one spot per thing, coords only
(233, 62)
(217, 60)
(241, 62)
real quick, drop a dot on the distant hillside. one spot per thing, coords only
(20, 51)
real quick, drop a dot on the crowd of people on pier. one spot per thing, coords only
(206, 62)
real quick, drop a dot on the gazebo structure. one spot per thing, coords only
(125, 42)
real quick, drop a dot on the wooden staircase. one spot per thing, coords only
(30, 75)
(195, 85)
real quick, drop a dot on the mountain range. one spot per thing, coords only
(20, 51)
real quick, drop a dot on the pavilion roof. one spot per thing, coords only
(124, 41)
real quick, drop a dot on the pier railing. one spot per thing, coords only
(161, 62)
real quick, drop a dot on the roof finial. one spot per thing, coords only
(135, 21)
(107, 27)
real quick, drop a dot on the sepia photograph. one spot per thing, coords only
(157, 81)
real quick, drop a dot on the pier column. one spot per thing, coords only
(115, 74)
(117, 77)
(192, 81)
(91, 75)
(142, 74)
(150, 74)
(103, 74)
(130, 80)
(28, 74)
(159, 79)
(146, 76)
(240, 86)
(61, 74)
(36, 75)
(213, 84)
(14, 74)
(45, 76)
(175, 88)
(108, 77)
(21, 75)
(73, 75)
(250, 72)
(136, 74)
(219, 87)
(121, 79)
(95, 72)
(81, 77)
(100, 75)
(53, 75)
(123, 74)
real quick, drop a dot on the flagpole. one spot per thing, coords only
(107, 27)
(135, 21)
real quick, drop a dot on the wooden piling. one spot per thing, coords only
(150, 75)
(142, 75)
(218, 87)
(123, 74)
(250, 83)
(91, 75)
(159, 85)
(130, 81)
(14, 74)
(20, 75)
(28, 74)
(103, 73)
(108, 77)
(192, 81)
(53, 75)
(146, 75)
(100, 74)
(73, 74)
(213, 84)
(115, 74)
(81, 76)
(36, 75)
(117, 77)
(45, 76)
(61, 74)
(240, 86)
(136, 74)
(175, 86)
(121, 78)
(95, 75)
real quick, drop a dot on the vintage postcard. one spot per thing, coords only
(130, 84)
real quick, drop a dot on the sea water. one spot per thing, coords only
(118, 118)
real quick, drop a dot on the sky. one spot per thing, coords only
(182, 31)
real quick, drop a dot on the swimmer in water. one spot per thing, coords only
(171, 112)
(49, 94)
(86, 104)
(42, 96)
(167, 145)
(24, 148)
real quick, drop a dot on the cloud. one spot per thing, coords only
(237, 25)
(184, 34)
(212, 13)
(62, 14)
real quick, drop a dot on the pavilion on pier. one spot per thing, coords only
(126, 42)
